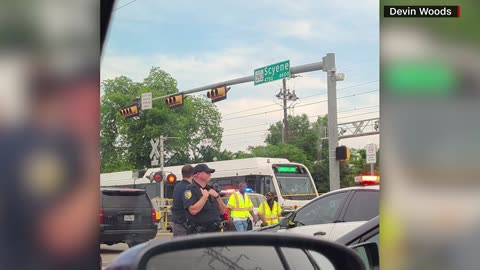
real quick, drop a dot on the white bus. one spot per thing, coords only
(292, 182)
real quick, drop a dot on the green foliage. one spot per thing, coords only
(125, 143)
(305, 146)
(289, 152)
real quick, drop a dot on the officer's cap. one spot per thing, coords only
(202, 168)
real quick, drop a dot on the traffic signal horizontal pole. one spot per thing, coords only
(294, 70)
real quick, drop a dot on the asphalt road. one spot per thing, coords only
(109, 253)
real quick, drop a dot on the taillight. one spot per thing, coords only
(154, 215)
(101, 215)
(225, 215)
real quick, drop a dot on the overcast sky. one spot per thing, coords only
(204, 42)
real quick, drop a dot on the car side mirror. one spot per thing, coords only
(368, 253)
(246, 251)
(286, 212)
(292, 224)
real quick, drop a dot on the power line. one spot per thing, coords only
(237, 142)
(270, 123)
(249, 126)
(343, 88)
(265, 106)
(358, 114)
(294, 135)
(247, 132)
(124, 5)
(308, 104)
(326, 100)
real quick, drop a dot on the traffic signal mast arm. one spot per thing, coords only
(293, 70)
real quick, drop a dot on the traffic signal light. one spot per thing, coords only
(218, 94)
(174, 101)
(171, 179)
(157, 177)
(130, 111)
(342, 153)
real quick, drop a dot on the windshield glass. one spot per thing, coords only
(296, 187)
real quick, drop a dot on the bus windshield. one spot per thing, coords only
(296, 187)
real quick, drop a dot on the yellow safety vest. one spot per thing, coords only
(239, 207)
(271, 215)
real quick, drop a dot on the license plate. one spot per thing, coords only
(128, 218)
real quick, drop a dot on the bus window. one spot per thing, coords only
(265, 184)
(228, 182)
(252, 182)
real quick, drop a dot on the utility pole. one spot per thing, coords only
(285, 95)
(162, 154)
(334, 165)
(285, 117)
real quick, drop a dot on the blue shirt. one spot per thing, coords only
(178, 211)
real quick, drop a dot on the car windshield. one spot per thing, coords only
(296, 187)
(119, 200)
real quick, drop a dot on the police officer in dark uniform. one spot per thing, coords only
(179, 217)
(202, 203)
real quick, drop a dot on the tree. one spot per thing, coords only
(307, 137)
(290, 152)
(301, 133)
(125, 143)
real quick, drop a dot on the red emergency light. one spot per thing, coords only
(365, 180)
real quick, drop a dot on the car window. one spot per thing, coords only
(130, 200)
(257, 200)
(322, 261)
(260, 199)
(363, 207)
(297, 259)
(321, 211)
(374, 238)
(254, 200)
(230, 257)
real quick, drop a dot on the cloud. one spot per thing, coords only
(232, 44)
(245, 99)
(314, 31)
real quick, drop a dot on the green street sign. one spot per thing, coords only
(272, 72)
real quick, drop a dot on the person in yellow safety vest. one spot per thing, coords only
(269, 211)
(241, 208)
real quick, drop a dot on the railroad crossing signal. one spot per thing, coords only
(171, 179)
(174, 101)
(130, 111)
(218, 94)
(157, 177)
